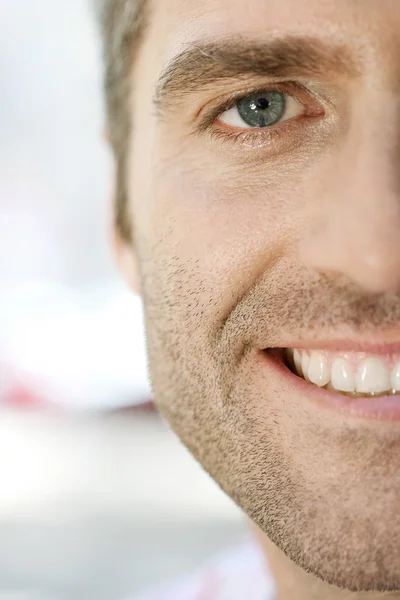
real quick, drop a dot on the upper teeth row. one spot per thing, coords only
(371, 375)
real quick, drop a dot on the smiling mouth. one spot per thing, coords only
(351, 374)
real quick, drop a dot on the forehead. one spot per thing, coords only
(178, 23)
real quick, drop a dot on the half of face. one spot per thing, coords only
(265, 198)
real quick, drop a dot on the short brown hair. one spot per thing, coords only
(122, 23)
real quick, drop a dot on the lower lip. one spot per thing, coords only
(379, 408)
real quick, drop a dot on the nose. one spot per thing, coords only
(355, 226)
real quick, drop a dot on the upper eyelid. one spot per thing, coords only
(241, 96)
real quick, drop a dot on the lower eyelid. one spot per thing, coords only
(283, 133)
(256, 134)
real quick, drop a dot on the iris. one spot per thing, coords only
(263, 109)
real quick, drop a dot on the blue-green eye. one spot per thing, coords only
(261, 110)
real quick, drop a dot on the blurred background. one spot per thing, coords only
(98, 499)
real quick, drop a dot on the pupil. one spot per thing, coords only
(262, 104)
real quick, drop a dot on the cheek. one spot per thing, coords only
(208, 229)
(233, 224)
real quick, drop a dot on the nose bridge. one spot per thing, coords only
(368, 177)
(360, 224)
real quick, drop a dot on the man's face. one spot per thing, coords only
(264, 192)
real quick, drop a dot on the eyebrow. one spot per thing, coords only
(207, 62)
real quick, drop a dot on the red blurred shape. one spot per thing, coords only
(21, 396)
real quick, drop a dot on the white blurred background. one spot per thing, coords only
(95, 502)
(65, 314)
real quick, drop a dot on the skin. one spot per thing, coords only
(293, 237)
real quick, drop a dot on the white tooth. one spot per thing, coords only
(372, 376)
(305, 359)
(395, 377)
(318, 370)
(342, 376)
(297, 362)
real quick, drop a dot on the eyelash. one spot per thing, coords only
(209, 121)
(247, 136)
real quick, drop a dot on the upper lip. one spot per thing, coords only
(370, 345)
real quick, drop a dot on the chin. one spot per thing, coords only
(351, 557)
(361, 576)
